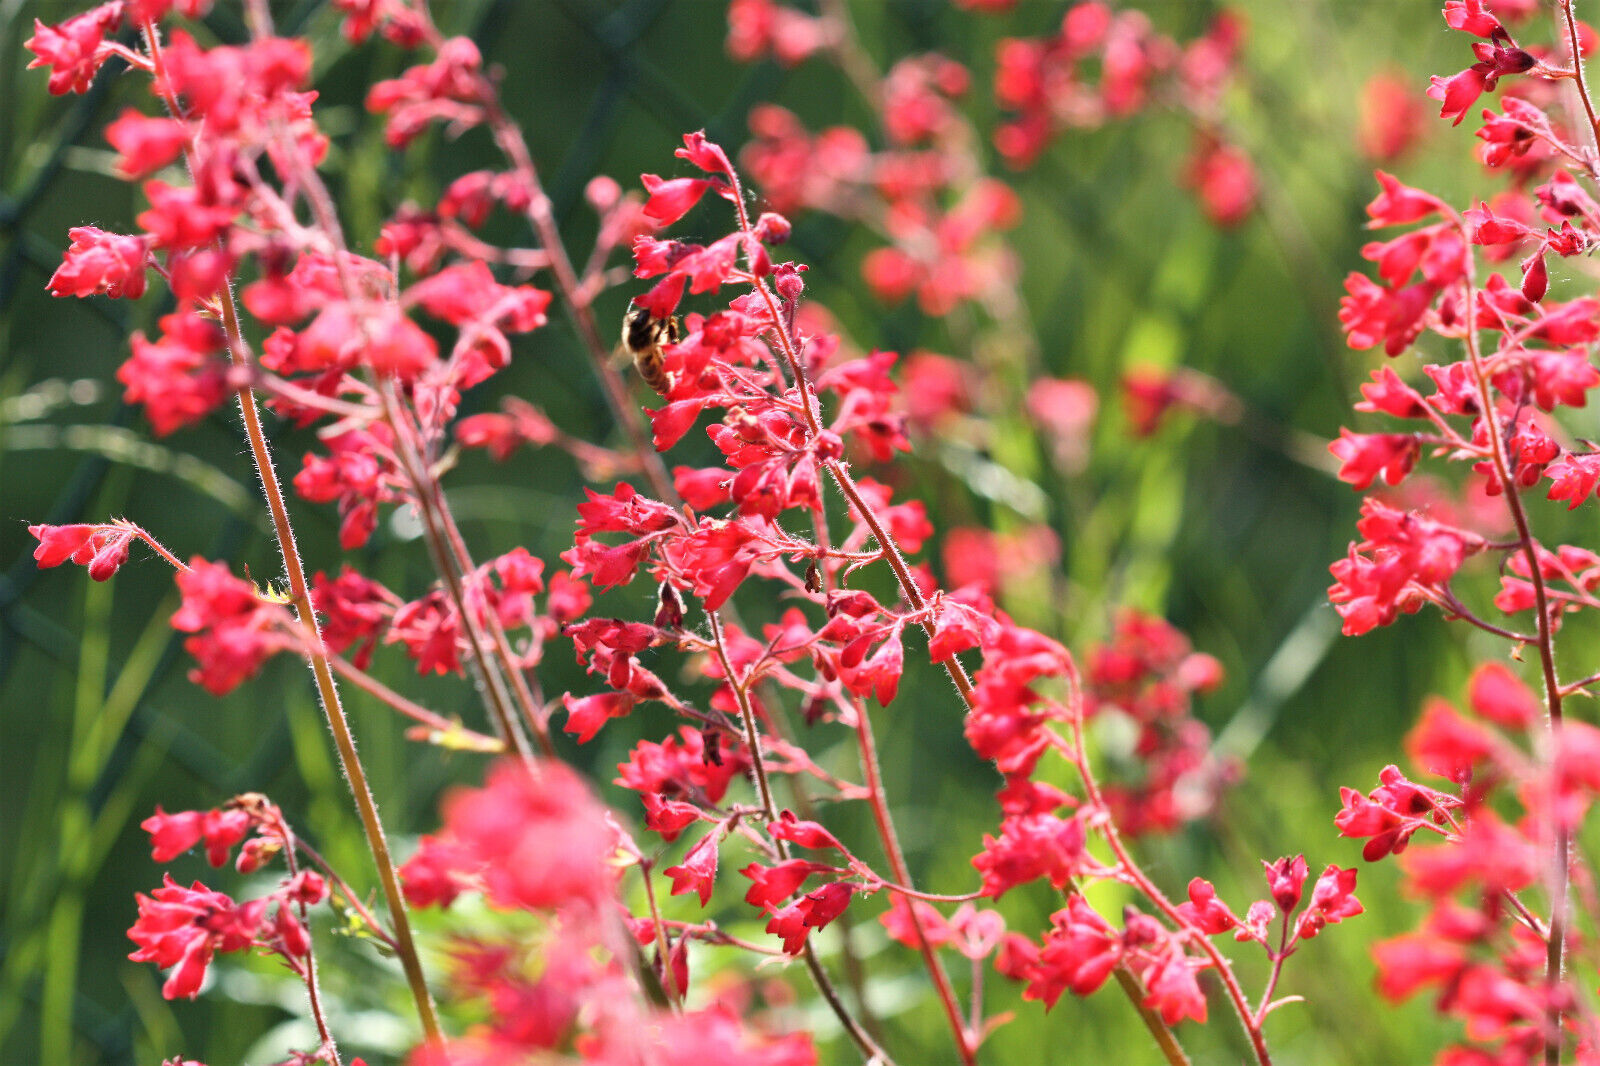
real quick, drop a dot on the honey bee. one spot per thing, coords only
(643, 334)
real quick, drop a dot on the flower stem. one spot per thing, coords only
(769, 807)
(1561, 843)
(1141, 881)
(355, 774)
(965, 1037)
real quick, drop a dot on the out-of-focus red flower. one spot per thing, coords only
(1391, 117)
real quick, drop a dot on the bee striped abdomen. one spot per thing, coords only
(643, 335)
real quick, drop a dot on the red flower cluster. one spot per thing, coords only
(1149, 673)
(1481, 945)
(1103, 65)
(183, 929)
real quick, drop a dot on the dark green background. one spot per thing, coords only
(1217, 529)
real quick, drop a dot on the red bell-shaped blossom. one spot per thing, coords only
(235, 631)
(698, 870)
(101, 263)
(1332, 900)
(180, 378)
(183, 928)
(72, 49)
(812, 911)
(173, 834)
(508, 831)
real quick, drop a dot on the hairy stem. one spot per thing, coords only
(300, 593)
(966, 1038)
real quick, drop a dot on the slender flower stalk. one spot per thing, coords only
(300, 595)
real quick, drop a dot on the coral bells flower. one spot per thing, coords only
(101, 263)
(180, 378)
(1224, 179)
(144, 145)
(1403, 557)
(103, 549)
(533, 839)
(72, 50)
(173, 834)
(430, 876)
(235, 631)
(1332, 900)
(183, 928)
(816, 910)
(1391, 118)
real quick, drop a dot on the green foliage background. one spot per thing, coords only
(1217, 529)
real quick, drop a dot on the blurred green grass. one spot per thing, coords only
(1214, 529)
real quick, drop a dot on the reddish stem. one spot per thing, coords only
(966, 1038)
(752, 737)
(1561, 844)
(1078, 753)
(669, 980)
(415, 711)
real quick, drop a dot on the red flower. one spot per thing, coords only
(234, 631)
(183, 927)
(1364, 456)
(1471, 16)
(509, 831)
(671, 199)
(430, 877)
(173, 834)
(1444, 743)
(587, 714)
(1285, 880)
(1458, 92)
(814, 911)
(355, 611)
(1407, 963)
(1225, 180)
(805, 834)
(1398, 203)
(1491, 856)
(1174, 990)
(180, 378)
(897, 922)
(774, 884)
(698, 870)
(72, 49)
(1029, 847)
(144, 144)
(1205, 911)
(1391, 117)
(101, 263)
(1496, 693)
(1078, 954)
(1332, 900)
(668, 817)
(103, 549)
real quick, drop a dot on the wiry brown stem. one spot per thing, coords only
(574, 297)
(313, 989)
(431, 508)
(450, 558)
(459, 734)
(1577, 76)
(300, 594)
(966, 1037)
